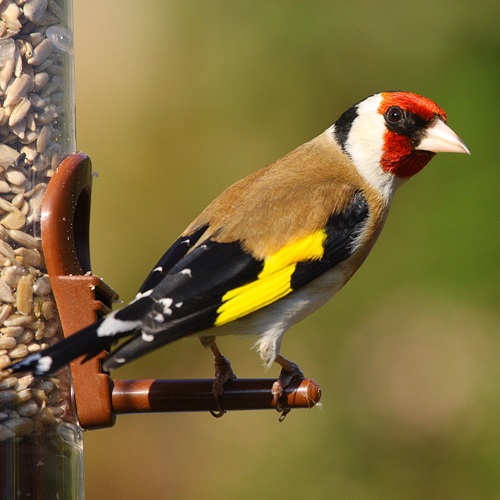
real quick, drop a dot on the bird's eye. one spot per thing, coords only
(394, 114)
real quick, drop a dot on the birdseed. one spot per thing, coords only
(35, 132)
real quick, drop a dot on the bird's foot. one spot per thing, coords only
(289, 371)
(223, 373)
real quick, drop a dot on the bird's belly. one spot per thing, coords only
(271, 322)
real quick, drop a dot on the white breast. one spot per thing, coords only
(269, 324)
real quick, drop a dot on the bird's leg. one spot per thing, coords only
(223, 373)
(289, 371)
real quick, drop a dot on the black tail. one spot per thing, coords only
(89, 341)
(53, 358)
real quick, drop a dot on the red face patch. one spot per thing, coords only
(414, 103)
(399, 156)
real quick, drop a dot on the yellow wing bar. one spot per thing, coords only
(273, 282)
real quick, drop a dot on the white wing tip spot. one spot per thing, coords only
(144, 294)
(44, 364)
(187, 272)
(112, 326)
(166, 303)
(159, 318)
(147, 337)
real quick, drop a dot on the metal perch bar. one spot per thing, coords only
(146, 396)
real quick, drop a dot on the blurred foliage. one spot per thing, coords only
(178, 99)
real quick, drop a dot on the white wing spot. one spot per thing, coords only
(111, 326)
(144, 294)
(159, 318)
(120, 360)
(186, 241)
(158, 269)
(44, 364)
(179, 304)
(186, 271)
(147, 337)
(166, 303)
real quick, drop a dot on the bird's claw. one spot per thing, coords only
(219, 413)
(223, 373)
(283, 415)
(289, 372)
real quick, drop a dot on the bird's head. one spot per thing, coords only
(391, 136)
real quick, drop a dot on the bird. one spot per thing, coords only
(273, 247)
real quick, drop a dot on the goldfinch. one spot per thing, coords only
(275, 246)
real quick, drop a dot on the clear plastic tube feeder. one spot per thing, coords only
(41, 451)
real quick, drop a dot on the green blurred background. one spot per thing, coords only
(178, 99)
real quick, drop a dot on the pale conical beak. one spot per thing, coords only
(441, 139)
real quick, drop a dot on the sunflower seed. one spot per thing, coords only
(29, 257)
(26, 337)
(6, 293)
(37, 101)
(21, 426)
(48, 115)
(7, 250)
(8, 156)
(7, 62)
(20, 351)
(40, 81)
(13, 220)
(9, 12)
(12, 274)
(16, 177)
(6, 343)
(18, 320)
(24, 382)
(8, 383)
(19, 112)
(18, 89)
(5, 312)
(51, 329)
(43, 138)
(25, 394)
(27, 409)
(12, 331)
(4, 362)
(34, 9)
(24, 295)
(41, 52)
(25, 239)
(49, 309)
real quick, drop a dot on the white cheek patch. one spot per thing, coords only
(365, 145)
